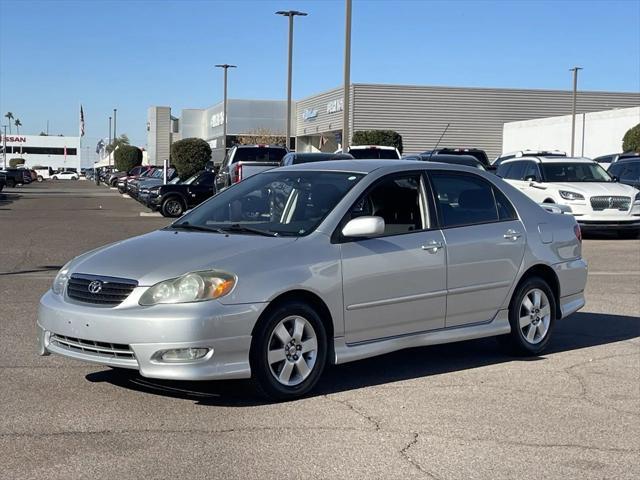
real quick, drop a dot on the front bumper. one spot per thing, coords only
(147, 330)
(609, 224)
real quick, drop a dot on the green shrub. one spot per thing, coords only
(387, 138)
(127, 157)
(189, 156)
(14, 162)
(631, 140)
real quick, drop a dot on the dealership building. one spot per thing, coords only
(52, 151)
(245, 118)
(468, 117)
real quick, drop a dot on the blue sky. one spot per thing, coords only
(133, 54)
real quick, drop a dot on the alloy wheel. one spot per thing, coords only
(535, 316)
(292, 350)
(174, 208)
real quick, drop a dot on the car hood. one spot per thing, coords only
(597, 188)
(165, 254)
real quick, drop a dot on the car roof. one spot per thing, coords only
(553, 159)
(628, 160)
(363, 147)
(367, 166)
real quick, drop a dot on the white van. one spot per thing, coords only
(43, 173)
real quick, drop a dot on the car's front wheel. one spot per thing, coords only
(172, 207)
(532, 315)
(289, 351)
(54, 177)
(39, 178)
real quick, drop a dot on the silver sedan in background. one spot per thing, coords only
(319, 263)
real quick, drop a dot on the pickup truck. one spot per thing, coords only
(243, 161)
(172, 200)
(17, 176)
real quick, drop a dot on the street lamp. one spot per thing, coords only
(347, 77)
(573, 108)
(226, 67)
(291, 14)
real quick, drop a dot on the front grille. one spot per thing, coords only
(90, 347)
(610, 202)
(99, 290)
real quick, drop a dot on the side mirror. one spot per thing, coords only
(615, 178)
(531, 178)
(364, 227)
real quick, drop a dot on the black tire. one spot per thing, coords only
(172, 207)
(265, 382)
(122, 190)
(515, 342)
(39, 178)
(74, 178)
(54, 177)
(11, 183)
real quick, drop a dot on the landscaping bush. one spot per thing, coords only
(631, 140)
(14, 162)
(387, 138)
(189, 156)
(127, 157)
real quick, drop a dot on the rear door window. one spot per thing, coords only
(464, 199)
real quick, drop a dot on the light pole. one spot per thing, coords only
(109, 130)
(573, 108)
(347, 77)
(291, 14)
(115, 135)
(226, 67)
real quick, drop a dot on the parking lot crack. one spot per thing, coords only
(405, 454)
(370, 419)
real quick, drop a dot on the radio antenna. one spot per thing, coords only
(438, 142)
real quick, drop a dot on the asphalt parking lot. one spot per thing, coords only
(461, 411)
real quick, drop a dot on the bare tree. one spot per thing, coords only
(262, 136)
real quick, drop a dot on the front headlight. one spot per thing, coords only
(570, 195)
(60, 282)
(191, 287)
(637, 199)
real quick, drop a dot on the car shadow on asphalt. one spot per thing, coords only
(580, 330)
(7, 199)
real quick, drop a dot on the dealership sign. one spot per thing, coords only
(14, 139)
(335, 106)
(309, 113)
(217, 119)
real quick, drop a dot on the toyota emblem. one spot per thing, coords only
(95, 287)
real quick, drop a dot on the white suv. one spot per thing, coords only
(589, 192)
(373, 152)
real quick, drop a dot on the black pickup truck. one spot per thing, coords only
(172, 200)
(17, 176)
(3, 180)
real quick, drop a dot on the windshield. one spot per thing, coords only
(280, 203)
(374, 153)
(574, 172)
(174, 181)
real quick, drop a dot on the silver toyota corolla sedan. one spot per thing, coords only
(321, 263)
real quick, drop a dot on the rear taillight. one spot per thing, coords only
(238, 173)
(578, 232)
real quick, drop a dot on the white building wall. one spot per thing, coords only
(603, 132)
(18, 146)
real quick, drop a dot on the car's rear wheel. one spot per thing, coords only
(289, 351)
(172, 207)
(532, 315)
(54, 177)
(39, 178)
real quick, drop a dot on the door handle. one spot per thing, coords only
(512, 235)
(432, 247)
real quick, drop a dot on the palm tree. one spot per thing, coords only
(9, 116)
(18, 124)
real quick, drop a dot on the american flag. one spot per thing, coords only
(81, 122)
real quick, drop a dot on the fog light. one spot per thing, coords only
(183, 354)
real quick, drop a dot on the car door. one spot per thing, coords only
(532, 180)
(201, 188)
(485, 244)
(394, 284)
(222, 178)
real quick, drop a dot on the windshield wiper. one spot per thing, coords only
(196, 228)
(236, 227)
